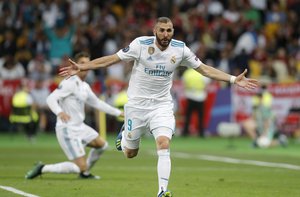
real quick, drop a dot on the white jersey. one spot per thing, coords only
(71, 96)
(152, 73)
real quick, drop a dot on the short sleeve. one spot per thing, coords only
(131, 52)
(190, 59)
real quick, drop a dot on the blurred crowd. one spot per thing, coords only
(36, 37)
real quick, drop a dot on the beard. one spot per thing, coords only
(163, 42)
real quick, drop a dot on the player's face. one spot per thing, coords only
(164, 33)
(83, 60)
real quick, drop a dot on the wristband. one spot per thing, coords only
(232, 79)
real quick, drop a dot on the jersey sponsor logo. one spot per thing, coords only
(173, 60)
(151, 50)
(157, 72)
(126, 49)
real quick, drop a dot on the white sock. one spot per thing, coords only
(61, 168)
(163, 169)
(94, 155)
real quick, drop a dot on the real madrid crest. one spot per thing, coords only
(173, 60)
(151, 50)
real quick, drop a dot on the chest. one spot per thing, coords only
(81, 93)
(154, 59)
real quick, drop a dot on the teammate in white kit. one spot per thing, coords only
(150, 105)
(68, 102)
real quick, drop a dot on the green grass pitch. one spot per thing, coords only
(200, 167)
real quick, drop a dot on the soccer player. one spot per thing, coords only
(150, 105)
(67, 103)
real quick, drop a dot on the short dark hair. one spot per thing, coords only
(80, 55)
(163, 19)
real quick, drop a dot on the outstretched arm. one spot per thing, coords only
(73, 68)
(219, 75)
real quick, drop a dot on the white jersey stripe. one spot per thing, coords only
(68, 143)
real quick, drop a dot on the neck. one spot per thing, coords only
(81, 77)
(162, 48)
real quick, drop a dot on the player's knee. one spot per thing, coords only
(162, 142)
(102, 147)
(98, 143)
(131, 153)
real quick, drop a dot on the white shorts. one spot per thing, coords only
(73, 140)
(159, 122)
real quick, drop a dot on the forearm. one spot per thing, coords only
(101, 62)
(213, 73)
(106, 108)
(94, 102)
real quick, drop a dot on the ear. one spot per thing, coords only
(154, 31)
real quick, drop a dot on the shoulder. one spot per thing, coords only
(86, 85)
(72, 79)
(70, 82)
(145, 40)
(177, 43)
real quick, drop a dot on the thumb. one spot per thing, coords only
(72, 62)
(245, 72)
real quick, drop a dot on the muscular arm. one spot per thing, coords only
(101, 62)
(73, 68)
(213, 73)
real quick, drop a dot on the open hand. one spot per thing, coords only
(69, 70)
(246, 83)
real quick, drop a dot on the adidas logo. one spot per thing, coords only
(149, 58)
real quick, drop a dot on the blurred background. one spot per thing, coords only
(36, 37)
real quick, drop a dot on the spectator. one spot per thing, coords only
(80, 11)
(24, 116)
(10, 69)
(261, 126)
(8, 45)
(225, 62)
(195, 93)
(40, 43)
(60, 38)
(247, 42)
(280, 66)
(232, 14)
(39, 95)
(39, 68)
